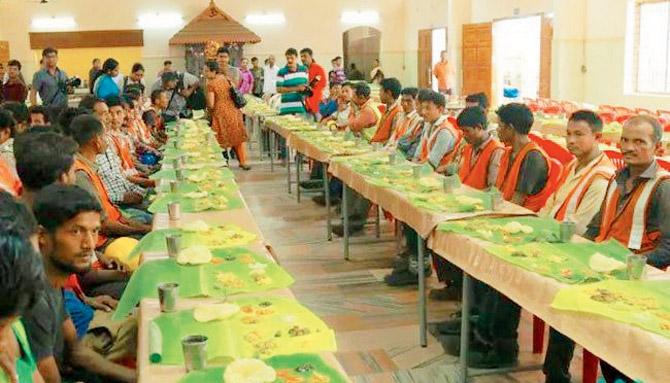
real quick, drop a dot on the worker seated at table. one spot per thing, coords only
(337, 121)
(88, 132)
(18, 242)
(527, 178)
(47, 158)
(438, 146)
(369, 118)
(405, 137)
(635, 211)
(70, 220)
(478, 169)
(478, 99)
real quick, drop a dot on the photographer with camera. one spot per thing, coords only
(52, 84)
(317, 82)
(179, 87)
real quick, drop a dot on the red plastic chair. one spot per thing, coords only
(606, 108)
(663, 114)
(664, 164)
(556, 151)
(616, 158)
(607, 117)
(666, 127)
(552, 109)
(621, 118)
(621, 110)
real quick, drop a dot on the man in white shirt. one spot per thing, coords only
(270, 74)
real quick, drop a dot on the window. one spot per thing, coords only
(653, 47)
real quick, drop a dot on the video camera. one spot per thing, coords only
(68, 86)
(309, 91)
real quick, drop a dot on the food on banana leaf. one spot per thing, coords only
(604, 264)
(194, 255)
(198, 226)
(212, 312)
(196, 195)
(229, 280)
(249, 371)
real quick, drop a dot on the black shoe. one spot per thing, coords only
(401, 262)
(245, 167)
(321, 200)
(353, 229)
(399, 278)
(225, 155)
(447, 293)
(311, 184)
(501, 354)
(449, 327)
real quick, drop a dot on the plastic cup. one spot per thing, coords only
(567, 230)
(635, 266)
(495, 200)
(173, 244)
(174, 186)
(167, 296)
(195, 352)
(392, 157)
(174, 211)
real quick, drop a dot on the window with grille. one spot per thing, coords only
(652, 47)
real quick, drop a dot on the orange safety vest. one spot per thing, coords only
(8, 181)
(602, 168)
(386, 124)
(476, 175)
(508, 176)
(123, 152)
(111, 211)
(401, 130)
(629, 226)
(427, 145)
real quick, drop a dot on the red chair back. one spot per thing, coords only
(606, 108)
(607, 117)
(621, 110)
(663, 114)
(569, 107)
(556, 151)
(621, 118)
(553, 109)
(664, 164)
(616, 158)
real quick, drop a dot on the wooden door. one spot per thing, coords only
(4, 52)
(477, 56)
(546, 35)
(425, 58)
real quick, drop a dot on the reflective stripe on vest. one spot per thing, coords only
(575, 196)
(384, 131)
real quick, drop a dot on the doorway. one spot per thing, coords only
(431, 43)
(361, 47)
(517, 44)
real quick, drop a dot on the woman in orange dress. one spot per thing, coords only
(226, 118)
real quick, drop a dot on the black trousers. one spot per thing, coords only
(559, 355)
(498, 317)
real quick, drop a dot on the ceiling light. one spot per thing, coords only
(360, 17)
(160, 20)
(265, 19)
(53, 23)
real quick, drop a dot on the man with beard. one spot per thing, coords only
(70, 220)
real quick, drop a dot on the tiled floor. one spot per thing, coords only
(376, 326)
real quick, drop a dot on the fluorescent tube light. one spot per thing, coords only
(160, 20)
(53, 23)
(360, 17)
(265, 19)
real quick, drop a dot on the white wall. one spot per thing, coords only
(316, 25)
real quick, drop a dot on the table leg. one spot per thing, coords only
(298, 161)
(288, 167)
(465, 326)
(272, 150)
(377, 218)
(345, 221)
(260, 138)
(326, 192)
(422, 293)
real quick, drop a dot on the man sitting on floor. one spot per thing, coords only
(70, 220)
(437, 147)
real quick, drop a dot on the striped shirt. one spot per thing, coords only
(292, 102)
